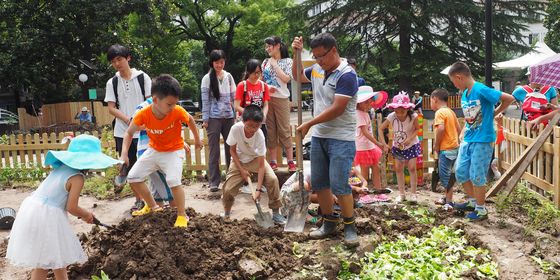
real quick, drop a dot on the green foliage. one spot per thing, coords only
(81, 29)
(4, 139)
(552, 23)
(420, 214)
(532, 209)
(22, 174)
(546, 267)
(237, 27)
(442, 254)
(407, 43)
(103, 276)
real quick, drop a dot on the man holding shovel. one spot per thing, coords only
(333, 145)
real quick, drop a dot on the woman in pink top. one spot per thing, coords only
(368, 152)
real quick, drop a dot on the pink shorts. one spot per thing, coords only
(368, 157)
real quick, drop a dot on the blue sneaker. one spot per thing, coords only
(477, 215)
(465, 206)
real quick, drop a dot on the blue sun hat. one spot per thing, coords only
(84, 153)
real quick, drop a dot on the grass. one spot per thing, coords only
(530, 209)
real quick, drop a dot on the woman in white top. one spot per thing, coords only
(277, 72)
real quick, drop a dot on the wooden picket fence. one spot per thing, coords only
(197, 160)
(454, 101)
(28, 150)
(543, 174)
(61, 114)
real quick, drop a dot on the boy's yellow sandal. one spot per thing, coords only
(146, 210)
(182, 221)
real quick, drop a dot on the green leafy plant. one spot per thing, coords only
(543, 265)
(22, 174)
(420, 214)
(531, 209)
(103, 276)
(443, 253)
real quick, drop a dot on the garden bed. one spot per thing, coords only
(150, 247)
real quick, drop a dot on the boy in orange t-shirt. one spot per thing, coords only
(446, 146)
(163, 123)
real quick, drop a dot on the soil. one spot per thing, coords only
(210, 248)
(150, 248)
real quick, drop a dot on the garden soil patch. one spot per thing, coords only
(150, 248)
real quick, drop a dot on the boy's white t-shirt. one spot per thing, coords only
(247, 148)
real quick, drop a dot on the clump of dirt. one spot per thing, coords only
(209, 196)
(3, 249)
(150, 248)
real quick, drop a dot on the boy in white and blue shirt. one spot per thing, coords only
(479, 136)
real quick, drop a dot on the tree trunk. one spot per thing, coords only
(405, 57)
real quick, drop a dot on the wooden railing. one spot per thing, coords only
(30, 150)
(543, 174)
(63, 114)
(454, 101)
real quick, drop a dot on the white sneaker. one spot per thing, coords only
(400, 199)
(246, 189)
(414, 198)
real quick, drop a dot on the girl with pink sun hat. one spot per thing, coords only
(406, 146)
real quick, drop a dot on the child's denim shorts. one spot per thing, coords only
(473, 162)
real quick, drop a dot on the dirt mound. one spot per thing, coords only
(150, 248)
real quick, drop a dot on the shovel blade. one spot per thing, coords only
(296, 221)
(264, 220)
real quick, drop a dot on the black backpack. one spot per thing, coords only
(116, 82)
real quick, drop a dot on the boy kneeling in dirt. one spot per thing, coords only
(248, 151)
(162, 121)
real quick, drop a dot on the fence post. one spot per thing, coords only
(556, 166)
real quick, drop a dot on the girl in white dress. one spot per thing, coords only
(42, 237)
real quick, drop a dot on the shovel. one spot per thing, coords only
(297, 215)
(97, 222)
(264, 219)
(435, 176)
(120, 180)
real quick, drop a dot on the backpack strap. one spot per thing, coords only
(115, 82)
(544, 89)
(115, 90)
(244, 94)
(527, 88)
(141, 83)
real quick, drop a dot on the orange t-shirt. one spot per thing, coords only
(165, 134)
(447, 117)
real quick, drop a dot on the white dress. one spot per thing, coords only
(42, 236)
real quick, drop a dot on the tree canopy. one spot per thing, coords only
(552, 23)
(408, 42)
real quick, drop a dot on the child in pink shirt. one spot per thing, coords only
(368, 152)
